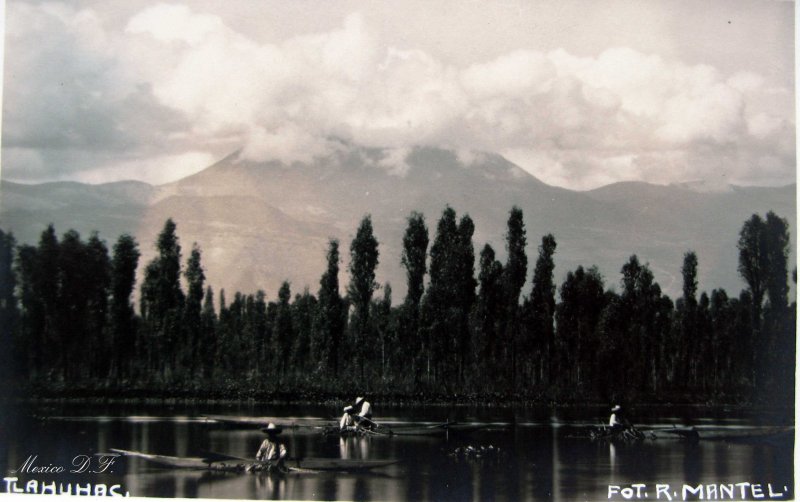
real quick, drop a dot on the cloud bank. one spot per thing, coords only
(84, 101)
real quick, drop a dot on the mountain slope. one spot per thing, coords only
(260, 223)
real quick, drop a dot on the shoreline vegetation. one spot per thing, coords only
(460, 335)
(335, 400)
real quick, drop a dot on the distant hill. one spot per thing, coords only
(260, 223)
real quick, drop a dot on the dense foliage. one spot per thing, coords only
(66, 312)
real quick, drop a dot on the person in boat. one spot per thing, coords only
(617, 421)
(364, 412)
(347, 422)
(272, 450)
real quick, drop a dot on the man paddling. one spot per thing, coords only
(618, 422)
(364, 412)
(272, 451)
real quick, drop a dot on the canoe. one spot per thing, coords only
(726, 433)
(227, 463)
(693, 433)
(441, 429)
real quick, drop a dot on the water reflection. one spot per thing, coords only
(542, 460)
(271, 486)
(354, 447)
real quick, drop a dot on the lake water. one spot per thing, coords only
(542, 454)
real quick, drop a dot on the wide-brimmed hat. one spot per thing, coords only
(271, 429)
(359, 399)
(616, 407)
(348, 409)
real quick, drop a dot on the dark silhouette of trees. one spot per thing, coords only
(687, 341)
(488, 345)
(447, 303)
(12, 359)
(440, 303)
(192, 324)
(123, 321)
(363, 262)
(303, 313)
(161, 304)
(414, 259)
(208, 337)
(283, 333)
(582, 302)
(515, 274)
(763, 264)
(331, 317)
(538, 346)
(66, 307)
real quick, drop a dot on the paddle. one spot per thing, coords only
(360, 419)
(211, 457)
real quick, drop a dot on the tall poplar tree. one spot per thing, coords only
(464, 274)
(488, 346)
(99, 284)
(46, 289)
(363, 262)
(540, 339)
(440, 304)
(779, 323)
(514, 276)
(688, 340)
(123, 318)
(72, 312)
(192, 323)
(304, 311)
(331, 316)
(283, 331)
(415, 251)
(162, 300)
(577, 315)
(763, 254)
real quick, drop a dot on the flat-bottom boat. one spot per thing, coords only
(227, 463)
(441, 429)
(743, 434)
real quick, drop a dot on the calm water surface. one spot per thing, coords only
(542, 456)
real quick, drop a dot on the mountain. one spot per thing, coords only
(258, 224)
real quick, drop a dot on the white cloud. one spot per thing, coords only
(157, 170)
(169, 22)
(572, 120)
(394, 161)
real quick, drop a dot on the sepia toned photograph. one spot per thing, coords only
(512, 250)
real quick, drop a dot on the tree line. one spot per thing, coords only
(67, 314)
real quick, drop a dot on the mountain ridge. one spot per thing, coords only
(258, 224)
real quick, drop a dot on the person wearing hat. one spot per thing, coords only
(347, 422)
(271, 450)
(366, 409)
(617, 421)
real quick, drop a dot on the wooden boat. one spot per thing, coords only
(726, 433)
(693, 433)
(227, 463)
(441, 429)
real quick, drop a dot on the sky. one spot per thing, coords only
(579, 94)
